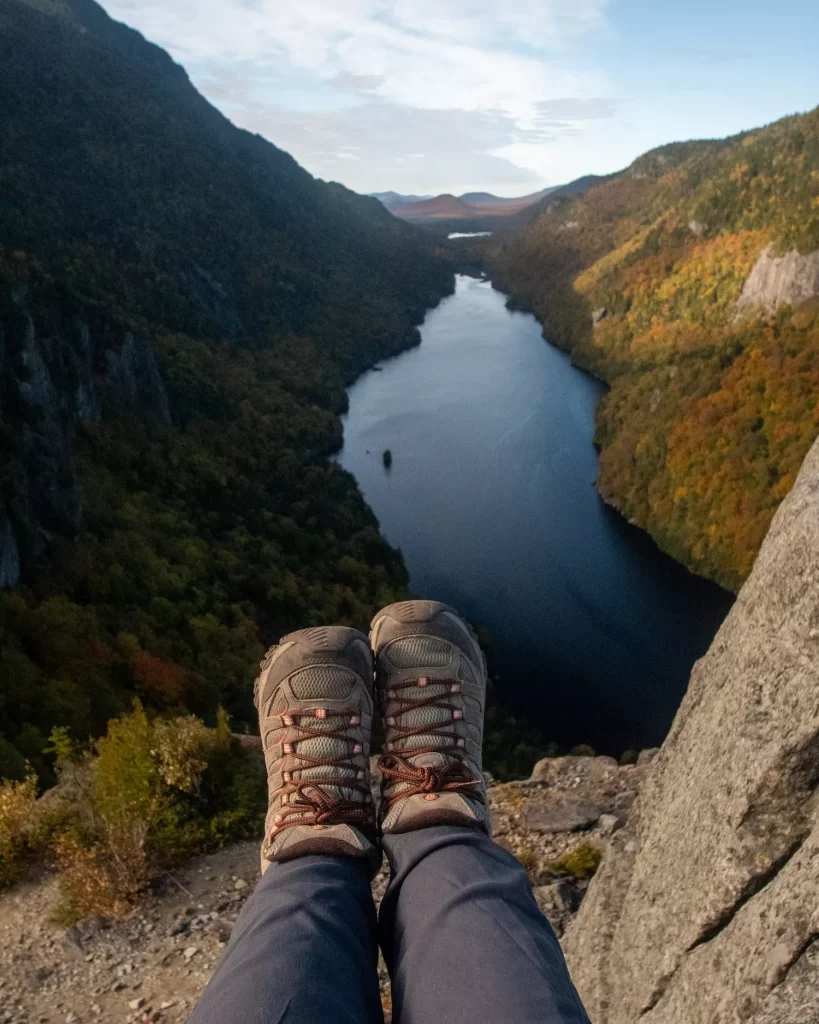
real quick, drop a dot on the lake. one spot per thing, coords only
(490, 498)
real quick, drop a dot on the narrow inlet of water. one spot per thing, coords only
(490, 498)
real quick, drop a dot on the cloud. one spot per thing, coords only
(416, 64)
(359, 84)
(386, 142)
(573, 109)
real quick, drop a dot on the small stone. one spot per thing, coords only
(167, 1004)
(570, 817)
(647, 756)
(608, 823)
(190, 952)
(240, 883)
(136, 1004)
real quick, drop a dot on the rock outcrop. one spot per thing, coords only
(61, 366)
(778, 280)
(151, 967)
(706, 907)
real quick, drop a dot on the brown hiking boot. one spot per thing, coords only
(431, 684)
(315, 702)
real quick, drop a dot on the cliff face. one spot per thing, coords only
(61, 366)
(707, 905)
(777, 280)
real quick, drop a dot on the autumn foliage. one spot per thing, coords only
(709, 414)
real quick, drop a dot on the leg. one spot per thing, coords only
(303, 950)
(463, 937)
(461, 932)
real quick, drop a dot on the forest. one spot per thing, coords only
(181, 309)
(711, 408)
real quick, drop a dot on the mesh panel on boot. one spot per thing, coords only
(418, 650)
(322, 681)
(424, 716)
(321, 748)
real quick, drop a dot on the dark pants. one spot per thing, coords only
(462, 936)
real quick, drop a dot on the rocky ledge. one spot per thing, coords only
(152, 966)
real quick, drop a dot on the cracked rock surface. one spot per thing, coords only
(707, 908)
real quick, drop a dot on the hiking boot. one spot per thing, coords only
(315, 702)
(431, 685)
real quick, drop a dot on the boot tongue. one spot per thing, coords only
(431, 760)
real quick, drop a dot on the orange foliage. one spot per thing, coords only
(159, 681)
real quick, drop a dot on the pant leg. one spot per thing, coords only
(303, 950)
(463, 938)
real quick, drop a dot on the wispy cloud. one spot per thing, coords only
(460, 84)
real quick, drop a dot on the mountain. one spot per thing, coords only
(485, 201)
(465, 207)
(550, 196)
(478, 210)
(390, 199)
(445, 207)
(181, 306)
(690, 282)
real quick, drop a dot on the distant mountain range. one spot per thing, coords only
(472, 205)
(390, 199)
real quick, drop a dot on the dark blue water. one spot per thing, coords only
(490, 497)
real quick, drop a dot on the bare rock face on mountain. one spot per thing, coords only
(777, 280)
(707, 905)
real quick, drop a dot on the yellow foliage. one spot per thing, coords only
(18, 802)
(185, 747)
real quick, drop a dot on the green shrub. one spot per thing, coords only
(528, 858)
(162, 790)
(581, 862)
(18, 802)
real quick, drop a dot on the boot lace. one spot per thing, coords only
(315, 802)
(453, 776)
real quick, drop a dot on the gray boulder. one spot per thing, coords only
(706, 907)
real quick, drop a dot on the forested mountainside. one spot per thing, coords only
(690, 281)
(181, 306)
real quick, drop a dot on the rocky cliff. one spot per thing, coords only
(779, 280)
(62, 365)
(707, 905)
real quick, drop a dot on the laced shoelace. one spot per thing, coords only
(454, 775)
(314, 805)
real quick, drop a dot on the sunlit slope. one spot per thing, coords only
(712, 407)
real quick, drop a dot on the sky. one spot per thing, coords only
(507, 96)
